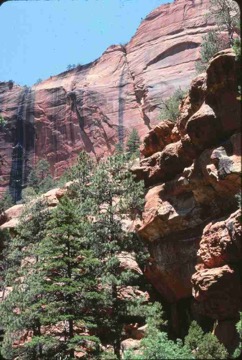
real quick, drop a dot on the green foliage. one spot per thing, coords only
(71, 66)
(204, 346)
(211, 44)
(69, 272)
(3, 122)
(225, 13)
(238, 351)
(59, 261)
(155, 344)
(132, 144)
(119, 148)
(5, 202)
(170, 109)
(38, 81)
(237, 48)
(40, 179)
(116, 197)
(21, 309)
(194, 337)
(158, 346)
(28, 194)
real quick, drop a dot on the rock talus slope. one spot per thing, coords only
(93, 106)
(191, 220)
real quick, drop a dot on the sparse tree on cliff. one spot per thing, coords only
(226, 14)
(211, 44)
(170, 106)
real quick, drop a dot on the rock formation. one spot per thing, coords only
(191, 220)
(93, 106)
(192, 169)
(193, 172)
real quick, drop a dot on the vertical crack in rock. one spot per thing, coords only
(71, 96)
(140, 92)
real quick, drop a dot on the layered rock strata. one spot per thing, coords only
(192, 170)
(94, 106)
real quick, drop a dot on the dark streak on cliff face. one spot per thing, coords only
(108, 97)
(23, 143)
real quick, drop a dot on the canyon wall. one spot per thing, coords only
(92, 107)
(192, 221)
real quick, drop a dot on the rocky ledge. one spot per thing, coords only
(191, 221)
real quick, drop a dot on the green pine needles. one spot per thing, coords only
(63, 267)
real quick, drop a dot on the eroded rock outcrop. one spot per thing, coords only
(93, 106)
(190, 221)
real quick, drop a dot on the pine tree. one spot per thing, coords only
(20, 311)
(69, 279)
(204, 346)
(226, 14)
(113, 203)
(133, 143)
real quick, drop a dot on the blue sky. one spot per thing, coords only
(40, 38)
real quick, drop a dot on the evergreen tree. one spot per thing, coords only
(40, 178)
(113, 203)
(20, 310)
(226, 14)
(212, 43)
(133, 143)
(69, 275)
(204, 346)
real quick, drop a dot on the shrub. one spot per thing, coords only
(211, 44)
(6, 202)
(170, 108)
(3, 122)
(204, 346)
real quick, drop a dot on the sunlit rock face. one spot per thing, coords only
(94, 106)
(191, 220)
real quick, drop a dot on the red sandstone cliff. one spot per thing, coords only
(91, 106)
(193, 171)
(191, 221)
